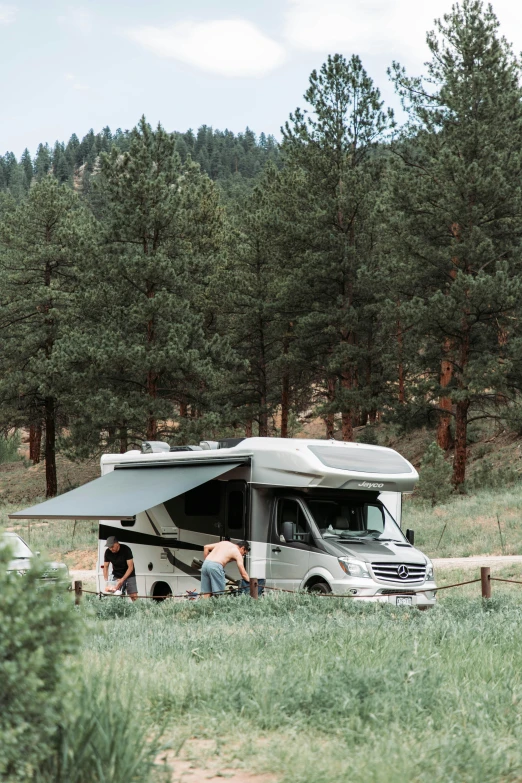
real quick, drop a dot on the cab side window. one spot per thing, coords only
(374, 517)
(290, 511)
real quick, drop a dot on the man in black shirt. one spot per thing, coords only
(120, 555)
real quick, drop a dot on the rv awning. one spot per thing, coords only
(125, 492)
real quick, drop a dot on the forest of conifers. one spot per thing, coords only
(161, 285)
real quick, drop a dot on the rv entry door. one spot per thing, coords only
(235, 517)
(289, 545)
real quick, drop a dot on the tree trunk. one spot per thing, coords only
(248, 428)
(285, 390)
(461, 431)
(285, 404)
(35, 442)
(152, 377)
(152, 390)
(124, 440)
(183, 410)
(50, 448)
(329, 418)
(31, 441)
(263, 420)
(400, 345)
(346, 416)
(444, 439)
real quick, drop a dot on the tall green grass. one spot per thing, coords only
(103, 737)
(469, 524)
(315, 689)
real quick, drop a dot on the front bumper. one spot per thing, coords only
(423, 595)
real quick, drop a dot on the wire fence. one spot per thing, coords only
(255, 590)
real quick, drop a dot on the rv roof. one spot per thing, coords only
(299, 462)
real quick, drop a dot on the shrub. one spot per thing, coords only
(103, 738)
(435, 474)
(369, 435)
(39, 629)
(486, 477)
(9, 445)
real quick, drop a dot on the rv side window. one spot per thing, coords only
(204, 501)
(236, 510)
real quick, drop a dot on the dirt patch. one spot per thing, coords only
(82, 560)
(186, 772)
(203, 761)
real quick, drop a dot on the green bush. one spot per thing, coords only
(39, 629)
(9, 445)
(435, 476)
(103, 738)
(368, 434)
(485, 476)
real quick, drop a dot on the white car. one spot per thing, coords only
(22, 555)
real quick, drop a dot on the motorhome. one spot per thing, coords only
(323, 516)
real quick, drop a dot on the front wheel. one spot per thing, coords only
(320, 587)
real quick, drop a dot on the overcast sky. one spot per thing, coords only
(67, 67)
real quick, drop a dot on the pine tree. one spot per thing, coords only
(146, 339)
(459, 219)
(334, 144)
(435, 476)
(42, 163)
(40, 244)
(27, 165)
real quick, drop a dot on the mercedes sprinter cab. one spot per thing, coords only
(323, 516)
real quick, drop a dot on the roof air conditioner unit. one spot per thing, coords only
(154, 446)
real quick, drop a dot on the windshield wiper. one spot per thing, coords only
(352, 538)
(393, 540)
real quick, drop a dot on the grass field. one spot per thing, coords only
(303, 689)
(471, 524)
(310, 690)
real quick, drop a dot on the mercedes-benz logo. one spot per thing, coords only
(403, 572)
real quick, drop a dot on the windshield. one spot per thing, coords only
(18, 547)
(354, 519)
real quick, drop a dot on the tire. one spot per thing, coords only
(320, 587)
(161, 591)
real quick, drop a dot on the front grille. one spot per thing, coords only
(390, 572)
(396, 592)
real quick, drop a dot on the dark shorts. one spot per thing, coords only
(212, 578)
(130, 585)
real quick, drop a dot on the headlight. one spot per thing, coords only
(354, 567)
(429, 571)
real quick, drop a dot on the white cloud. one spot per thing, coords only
(76, 85)
(385, 29)
(368, 27)
(230, 48)
(7, 14)
(78, 19)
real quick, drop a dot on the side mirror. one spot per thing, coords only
(37, 553)
(410, 536)
(288, 531)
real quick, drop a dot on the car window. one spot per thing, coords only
(17, 546)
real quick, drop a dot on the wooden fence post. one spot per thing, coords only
(254, 587)
(77, 593)
(485, 582)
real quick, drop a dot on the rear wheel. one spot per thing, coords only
(161, 591)
(320, 587)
